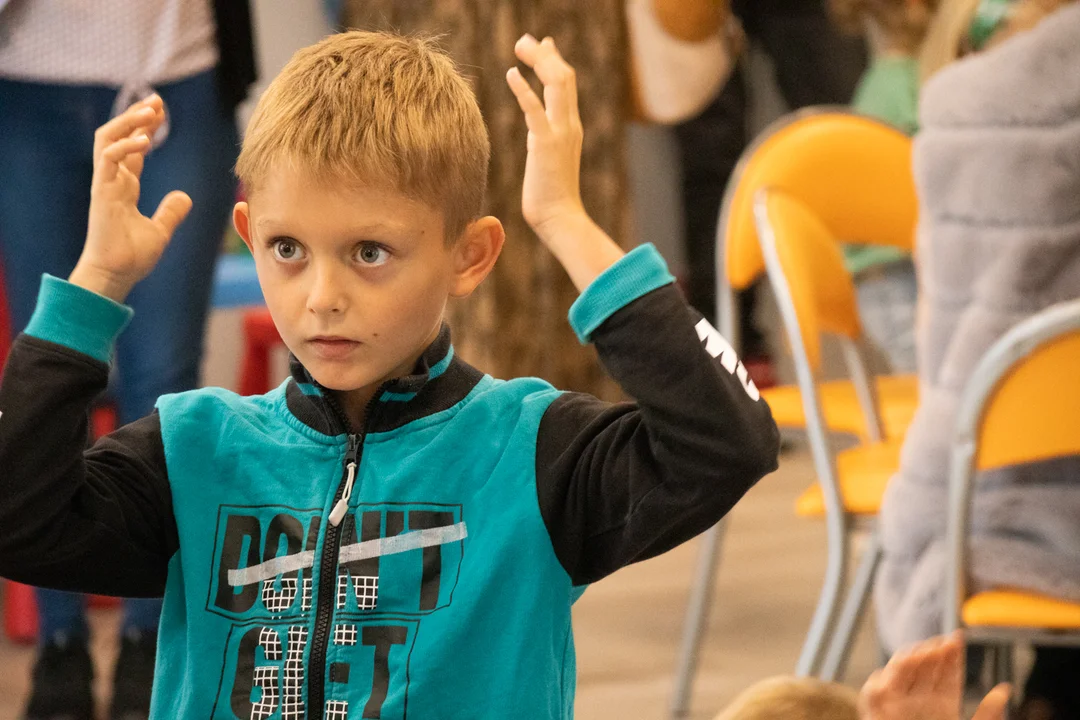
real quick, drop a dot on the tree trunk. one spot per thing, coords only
(515, 323)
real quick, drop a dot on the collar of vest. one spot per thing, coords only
(438, 381)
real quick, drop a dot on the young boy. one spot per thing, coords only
(390, 531)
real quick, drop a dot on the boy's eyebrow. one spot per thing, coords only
(393, 231)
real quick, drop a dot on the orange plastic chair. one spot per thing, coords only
(854, 173)
(816, 296)
(1021, 405)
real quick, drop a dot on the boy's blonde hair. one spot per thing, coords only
(791, 698)
(902, 23)
(374, 109)
(946, 40)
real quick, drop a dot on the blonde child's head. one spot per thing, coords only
(374, 109)
(949, 36)
(791, 698)
(365, 164)
(902, 23)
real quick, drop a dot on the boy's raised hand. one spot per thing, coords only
(123, 245)
(926, 682)
(551, 193)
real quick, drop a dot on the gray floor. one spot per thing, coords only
(627, 626)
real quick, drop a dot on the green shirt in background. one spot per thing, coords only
(889, 91)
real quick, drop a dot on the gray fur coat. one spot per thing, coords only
(997, 167)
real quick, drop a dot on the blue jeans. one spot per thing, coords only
(887, 309)
(46, 164)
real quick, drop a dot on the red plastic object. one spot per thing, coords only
(5, 324)
(761, 371)
(103, 421)
(20, 613)
(260, 338)
(20, 610)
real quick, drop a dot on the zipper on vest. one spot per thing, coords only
(324, 608)
(342, 505)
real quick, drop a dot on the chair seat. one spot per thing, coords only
(863, 471)
(898, 395)
(1015, 608)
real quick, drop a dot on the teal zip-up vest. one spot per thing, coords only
(438, 594)
(422, 566)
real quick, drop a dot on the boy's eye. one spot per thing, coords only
(372, 254)
(285, 249)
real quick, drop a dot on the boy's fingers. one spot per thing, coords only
(904, 666)
(874, 691)
(993, 705)
(123, 125)
(116, 153)
(535, 118)
(929, 661)
(950, 671)
(560, 95)
(558, 78)
(171, 212)
(526, 49)
(122, 148)
(134, 161)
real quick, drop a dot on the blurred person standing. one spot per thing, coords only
(814, 64)
(66, 66)
(889, 90)
(997, 173)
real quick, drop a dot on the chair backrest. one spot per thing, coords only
(809, 262)
(809, 281)
(853, 172)
(1020, 405)
(1034, 412)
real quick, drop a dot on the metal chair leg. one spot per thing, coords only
(1002, 667)
(827, 607)
(697, 615)
(847, 625)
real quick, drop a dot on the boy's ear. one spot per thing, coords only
(475, 253)
(242, 222)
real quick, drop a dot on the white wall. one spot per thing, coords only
(281, 28)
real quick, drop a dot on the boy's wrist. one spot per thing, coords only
(102, 282)
(581, 247)
(78, 318)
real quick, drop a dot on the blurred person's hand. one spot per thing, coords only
(926, 682)
(122, 244)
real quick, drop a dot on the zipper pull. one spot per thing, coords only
(342, 505)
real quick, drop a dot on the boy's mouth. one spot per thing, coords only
(332, 347)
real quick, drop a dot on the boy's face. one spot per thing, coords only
(357, 278)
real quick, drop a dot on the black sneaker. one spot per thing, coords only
(62, 679)
(134, 676)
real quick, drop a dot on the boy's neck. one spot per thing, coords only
(354, 404)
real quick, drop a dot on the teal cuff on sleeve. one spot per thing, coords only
(640, 271)
(82, 320)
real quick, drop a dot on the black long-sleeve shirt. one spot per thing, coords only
(225, 502)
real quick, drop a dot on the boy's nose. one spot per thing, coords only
(326, 295)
